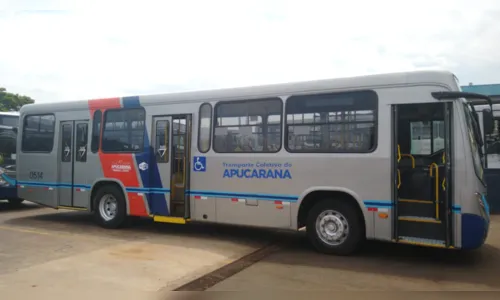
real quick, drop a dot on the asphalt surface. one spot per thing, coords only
(56, 254)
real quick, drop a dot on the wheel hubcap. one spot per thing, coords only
(108, 207)
(332, 227)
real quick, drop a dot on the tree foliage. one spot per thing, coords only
(12, 102)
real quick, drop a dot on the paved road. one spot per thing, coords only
(44, 251)
(52, 254)
(380, 266)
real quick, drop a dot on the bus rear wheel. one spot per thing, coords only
(109, 207)
(334, 227)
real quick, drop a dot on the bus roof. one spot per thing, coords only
(445, 79)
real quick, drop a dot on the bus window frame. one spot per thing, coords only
(21, 124)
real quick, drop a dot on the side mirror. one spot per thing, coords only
(488, 121)
(14, 129)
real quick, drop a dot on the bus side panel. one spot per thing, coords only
(124, 167)
(460, 173)
(471, 220)
(243, 199)
(380, 209)
(37, 172)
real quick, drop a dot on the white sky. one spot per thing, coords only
(55, 50)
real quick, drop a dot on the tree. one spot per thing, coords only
(12, 102)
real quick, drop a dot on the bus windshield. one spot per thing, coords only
(8, 138)
(473, 133)
(9, 122)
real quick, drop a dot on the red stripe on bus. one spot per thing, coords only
(119, 166)
(104, 104)
(122, 167)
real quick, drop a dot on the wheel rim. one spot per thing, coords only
(332, 227)
(108, 207)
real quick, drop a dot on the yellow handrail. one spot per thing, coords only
(435, 166)
(443, 158)
(443, 184)
(412, 159)
(406, 155)
(399, 179)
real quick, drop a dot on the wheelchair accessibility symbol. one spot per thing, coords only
(199, 164)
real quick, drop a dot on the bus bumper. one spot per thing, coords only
(8, 192)
(8, 186)
(474, 231)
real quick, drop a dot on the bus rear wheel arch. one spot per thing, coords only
(109, 206)
(334, 222)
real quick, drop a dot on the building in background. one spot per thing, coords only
(492, 90)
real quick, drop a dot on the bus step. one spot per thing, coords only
(72, 208)
(165, 219)
(420, 227)
(418, 219)
(422, 242)
(421, 208)
(415, 201)
(177, 208)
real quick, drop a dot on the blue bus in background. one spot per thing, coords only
(9, 124)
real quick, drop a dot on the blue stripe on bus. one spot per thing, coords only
(150, 177)
(378, 203)
(456, 208)
(8, 179)
(53, 184)
(220, 194)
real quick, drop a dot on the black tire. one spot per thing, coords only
(15, 201)
(119, 217)
(356, 232)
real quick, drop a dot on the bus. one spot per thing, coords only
(337, 158)
(489, 117)
(9, 123)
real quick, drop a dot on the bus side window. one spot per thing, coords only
(38, 133)
(343, 122)
(252, 126)
(81, 142)
(162, 141)
(66, 143)
(96, 131)
(123, 130)
(204, 127)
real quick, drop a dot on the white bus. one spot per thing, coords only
(390, 157)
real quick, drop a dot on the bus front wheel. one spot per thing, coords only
(334, 227)
(109, 207)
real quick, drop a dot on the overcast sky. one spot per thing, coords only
(56, 50)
